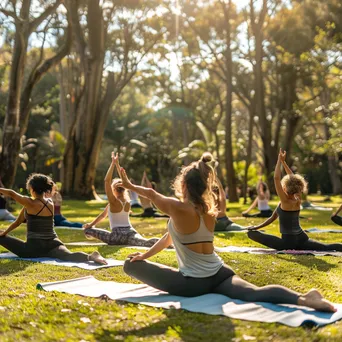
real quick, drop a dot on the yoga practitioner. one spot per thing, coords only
(191, 230)
(223, 223)
(59, 219)
(122, 232)
(289, 190)
(134, 198)
(147, 205)
(5, 215)
(335, 218)
(263, 196)
(42, 240)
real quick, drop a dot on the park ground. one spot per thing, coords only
(27, 314)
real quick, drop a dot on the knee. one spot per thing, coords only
(252, 234)
(130, 268)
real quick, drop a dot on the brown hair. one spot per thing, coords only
(39, 183)
(294, 184)
(116, 185)
(199, 178)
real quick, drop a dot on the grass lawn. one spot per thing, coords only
(32, 315)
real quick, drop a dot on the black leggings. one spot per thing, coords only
(262, 213)
(337, 219)
(224, 282)
(37, 248)
(300, 241)
(150, 212)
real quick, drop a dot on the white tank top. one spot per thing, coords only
(120, 219)
(263, 204)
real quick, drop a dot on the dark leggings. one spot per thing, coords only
(262, 213)
(121, 236)
(40, 248)
(300, 241)
(337, 219)
(224, 282)
(150, 212)
(60, 220)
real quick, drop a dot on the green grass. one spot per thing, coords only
(32, 315)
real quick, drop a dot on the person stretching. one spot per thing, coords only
(59, 219)
(263, 196)
(335, 218)
(191, 230)
(42, 240)
(223, 223)
(289, 190)
(118, 212)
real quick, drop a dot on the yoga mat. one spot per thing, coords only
(253, 250)
(328, 230)
(56, 262)
(211, 304)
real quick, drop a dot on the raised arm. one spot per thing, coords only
(265, 223)
(108, 179)
(98, 219)
(23, 200)
(167, 205)
(161, 244)
(20, 219)
(286, 167)
(277, 176)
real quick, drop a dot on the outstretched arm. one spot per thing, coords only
(266, 223)
(253, 205)
(161, 244)
(20, 219)
(167, 205)
(23, 200)
(98, 219)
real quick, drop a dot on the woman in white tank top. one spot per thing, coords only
(117, 210)
(263, 196)
(191, 230)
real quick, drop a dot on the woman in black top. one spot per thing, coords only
(42, 240)
(289, 190)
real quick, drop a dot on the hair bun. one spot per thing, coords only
(207, 157)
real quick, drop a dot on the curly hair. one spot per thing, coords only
(198, 178)
(294, 184)
(120, 189)
(39, 183)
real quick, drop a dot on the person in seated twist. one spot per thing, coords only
(122, 232)
(191, 230)
(289, 190)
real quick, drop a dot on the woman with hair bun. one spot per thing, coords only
(191, 230)
(42, 240)
(122, 232)
(289, 189)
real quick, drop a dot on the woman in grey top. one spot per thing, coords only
(289, 190)
(42, 240)
(191, 230)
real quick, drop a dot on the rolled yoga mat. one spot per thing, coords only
(211, 304)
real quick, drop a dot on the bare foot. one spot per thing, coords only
(313, 299)
(98, 258)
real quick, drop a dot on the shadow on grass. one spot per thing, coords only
(12, 266)
(308, 261)
(179, 324)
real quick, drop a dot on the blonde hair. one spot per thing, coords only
(199, 178)
(294, 184)
(120, 189)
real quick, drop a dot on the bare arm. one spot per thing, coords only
(286, 167)
(277, 177)
(23, 200)
(265, 223)
(98, 219)
(161, 244)
(20, 219)
(108, 180)
(222, 196)
(253, 205)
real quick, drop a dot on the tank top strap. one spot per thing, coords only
(44, 206)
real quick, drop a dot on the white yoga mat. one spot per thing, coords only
(254, 250)
(211, 304)
(56, 262)
(319, 230)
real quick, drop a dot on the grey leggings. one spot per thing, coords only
(37, 248)
(224, 282)
(121, 236)
(300, 241)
